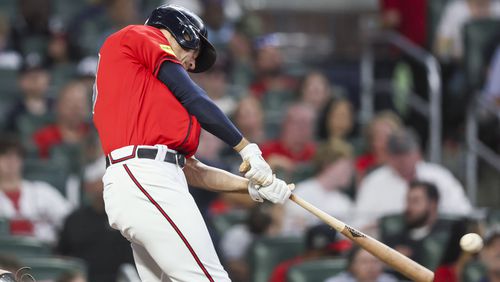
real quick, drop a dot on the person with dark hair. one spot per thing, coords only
(321, 241)
(33, 208)
(420, 222)
(263, 220)
(383, 191)
(362, 267)
(336, 120)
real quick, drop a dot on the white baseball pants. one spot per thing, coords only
(149, 203)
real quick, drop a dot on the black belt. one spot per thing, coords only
(146, 153)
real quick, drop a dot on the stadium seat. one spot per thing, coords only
(390, 225)
(4, 226)
(50, 268)
(21, 246)
(266, 253)
(477, 36)
(222, 222)
(317, 270)
(473, 272)
(47, 171)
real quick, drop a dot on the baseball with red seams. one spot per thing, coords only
(471, 243)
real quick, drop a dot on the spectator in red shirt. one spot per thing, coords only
(377, 134)
(269, 69)
(71, 126)
(33, 208)
(295, 145)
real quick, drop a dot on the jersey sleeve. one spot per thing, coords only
(148, 47)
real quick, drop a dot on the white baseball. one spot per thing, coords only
(471, 243)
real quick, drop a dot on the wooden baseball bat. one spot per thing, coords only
(393, 258)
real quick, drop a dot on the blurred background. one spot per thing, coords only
(385, 113)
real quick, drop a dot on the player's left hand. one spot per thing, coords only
(260, 172)
(277, 192)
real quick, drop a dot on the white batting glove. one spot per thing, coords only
(260, 172)
(253, 190)
(277, 192)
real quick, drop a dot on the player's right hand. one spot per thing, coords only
(260, 172)
(277, 192)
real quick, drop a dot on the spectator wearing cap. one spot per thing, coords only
(33, 105)
(33, 208)
(269, 71)
(383, 191)
(321, 241)
(86, 233)
(334, 172)
(362, 267)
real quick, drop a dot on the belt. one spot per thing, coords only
(150, 153)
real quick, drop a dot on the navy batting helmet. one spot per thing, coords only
(188, 30)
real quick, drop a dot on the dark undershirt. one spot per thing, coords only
(197, 103)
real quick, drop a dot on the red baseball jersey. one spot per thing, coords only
(133, 107)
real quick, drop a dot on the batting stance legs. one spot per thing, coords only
(149, 203)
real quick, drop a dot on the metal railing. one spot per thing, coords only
(430, 109)
(475, 148)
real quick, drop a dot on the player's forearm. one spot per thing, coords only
(243, 143)
(213, 179)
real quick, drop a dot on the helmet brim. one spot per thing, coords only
(207, 56)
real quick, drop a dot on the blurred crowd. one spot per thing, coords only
(373, 176)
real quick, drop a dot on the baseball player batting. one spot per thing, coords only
(148, 113)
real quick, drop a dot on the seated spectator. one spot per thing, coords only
(248, 117)
(315, 90)
(362, 267)
(449, 40)
(295, 145)
(490, 255)
(31, 26)
(219, 25)
(334, 171)
(86, 233)
(336, 120)
(383, 191)
(376, 134)
(263, 220)
(34, 80)
(269, 69)
(71, 126)
(321, 241)
(420, 222)
(33, 208)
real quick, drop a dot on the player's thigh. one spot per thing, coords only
(147, 268)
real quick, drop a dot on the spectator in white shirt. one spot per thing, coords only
(384, 191)
(449, 41)
(333, 162)
(32, 208)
